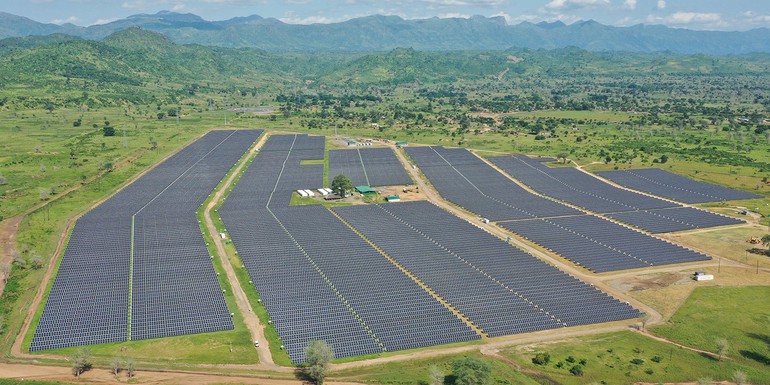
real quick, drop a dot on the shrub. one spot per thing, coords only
(541, 359)
(571, 359)
(637, 361)
(577, 370)
(559, 364)
(657, 359)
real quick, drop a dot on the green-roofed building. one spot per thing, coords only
(366, 190)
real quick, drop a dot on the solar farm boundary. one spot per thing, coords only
(414, 278)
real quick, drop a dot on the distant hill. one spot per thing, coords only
(385, 33)
(135, 57)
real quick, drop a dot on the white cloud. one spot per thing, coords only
(105, 21)
(753, 18)
(560, 5)
(292, 18)
(629, 4)
(454, 15)
(693, 18)
(661, 4)
(71, 19)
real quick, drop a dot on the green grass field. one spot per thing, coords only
(741, 315)
(610, 360)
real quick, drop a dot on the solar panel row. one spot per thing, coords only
(175, 283)
(578, 188)
(501, 289)
(672, 186)
(368, 166)
(600, 245)
(673, 219)
(575, 187)
(465, 180)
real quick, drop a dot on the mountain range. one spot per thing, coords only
(384, 33)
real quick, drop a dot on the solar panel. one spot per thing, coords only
(174, 286)
(501, 289)
(465, 180)
(600, 245)
(672, 186)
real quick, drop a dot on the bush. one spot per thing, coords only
(657, 359)
(650, 371)
(108, 131)
(571, 359)
(583, 362)
(577, 370)
(637, 361)
(559, 364)
(541, 359)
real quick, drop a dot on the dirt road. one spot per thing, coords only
(250, 318)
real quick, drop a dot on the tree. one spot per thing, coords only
(5, 271)
(108, 131)
(436, 375)
(766, 240)
(116, 365)
(577, 370)
(36, 262)
(541, 359)
(471, 371)
(341, 185)
(130, 368)
(740, 378)
(562, 157)
(722, 347)
(318, 356)
(81, 361)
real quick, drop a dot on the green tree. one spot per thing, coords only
(541, 359)
(81, 361)
(471, 371)
(318, 356)
(722, 347)
(577, 370)
(766, 240)
(341, 185)
(108, 131)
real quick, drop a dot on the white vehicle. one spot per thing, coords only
(256, 343)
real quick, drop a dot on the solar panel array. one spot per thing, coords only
(580, 189)
(500, 288)
(368, 166)
(672, 186)
(316, 277)
(600, 245)
(465, 180)
(674, 219)
(173, 284)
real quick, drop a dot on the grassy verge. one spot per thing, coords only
(627, 357)
(417, 371)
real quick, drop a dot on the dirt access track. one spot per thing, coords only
(267, 372)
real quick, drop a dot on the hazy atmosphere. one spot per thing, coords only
(694, 14)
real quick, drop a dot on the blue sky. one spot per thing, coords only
(693, 14)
